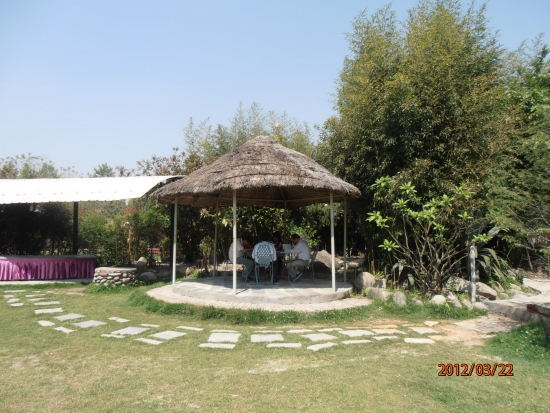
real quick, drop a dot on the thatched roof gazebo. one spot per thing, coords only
(260, 172)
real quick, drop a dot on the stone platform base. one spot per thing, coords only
(305, 291)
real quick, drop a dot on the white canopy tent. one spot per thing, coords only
(34, 191)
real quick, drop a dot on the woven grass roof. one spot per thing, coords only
(264, 173)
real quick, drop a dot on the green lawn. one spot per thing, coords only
(44, 370)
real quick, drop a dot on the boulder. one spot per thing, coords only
(480, 306)
(148, 276)
(467, 303)
(323, 262)
(379, 293)
(400, 299)
(438, 300)
(417, 302)
(456, 303)
(353, 264)
(364, 280)
(457, 284)
(498, 288)
(514, 287)
(503, 296)
(189, 271)
(486, 291)
(381, 283)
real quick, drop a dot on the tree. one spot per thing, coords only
(519, 191)
(422, 101)
(209, 143)
(103, 171)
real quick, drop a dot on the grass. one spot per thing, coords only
(139, 298)
(43, 370)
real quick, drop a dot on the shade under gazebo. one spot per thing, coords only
(260, 172)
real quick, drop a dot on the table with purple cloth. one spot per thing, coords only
(42, 267)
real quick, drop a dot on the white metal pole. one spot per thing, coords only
(235, 241)
(332, 248)
(345, 237)
(473, 275)
(216, 238)
(174, 240)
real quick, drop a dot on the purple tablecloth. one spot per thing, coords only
(21, 268)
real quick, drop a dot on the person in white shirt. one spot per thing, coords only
(302, 250)
(243, 245)
(265, 241)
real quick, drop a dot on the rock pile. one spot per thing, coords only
(114, 276)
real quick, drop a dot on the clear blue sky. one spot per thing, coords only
(92, 81)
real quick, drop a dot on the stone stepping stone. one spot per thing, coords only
(284, 345)
(34, 295)
(387, 331)
(119, 320)
(424, 330)
(45, 323)
(47, 303)
(431, 323)
(419, 341)
(356, 333)
(317, 347)
(64, 330)
(224, 337)
(132, 331)
(16, 305)
(149, 341)
(326, 330)
(36, 299)
(89, 323)
(12, 300)
(268, 331)
(112, 336)
(48, 311)
(71, 316)
(167, 335)
(266, 338)
(224, 331)
(9, 296)
(190, 328)
(320, 337)
(379, 338)
(356, 341)
(14, 291)
(217, 345)
(303, 330)
(151, 325)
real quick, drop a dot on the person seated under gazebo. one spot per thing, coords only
(302, 250)
(265, 241)
(243, 245)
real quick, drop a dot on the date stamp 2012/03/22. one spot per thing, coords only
(467, 370)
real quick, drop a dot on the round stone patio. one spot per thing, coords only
(306, 295)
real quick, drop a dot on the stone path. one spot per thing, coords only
(317, 339)
(516, 308)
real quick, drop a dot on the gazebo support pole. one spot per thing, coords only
(216, 237)
(345, 238)
(235, 242)
(174, 238)
(75, 228)
(332, 247)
